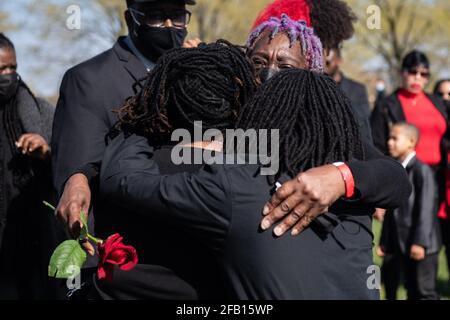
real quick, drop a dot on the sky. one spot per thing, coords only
(47, 49)
(44, 55)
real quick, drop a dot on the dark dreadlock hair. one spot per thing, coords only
(332, 21)
(314, 118)
(209, 83)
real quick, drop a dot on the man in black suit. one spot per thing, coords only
(410, 240)
(91, 91)
(355, 91)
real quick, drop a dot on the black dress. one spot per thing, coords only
(173, 265)
(221, 206)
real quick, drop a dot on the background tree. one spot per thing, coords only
(55, 47)
(405, 25)
(227, 19)
(371, 54)
(5, 24)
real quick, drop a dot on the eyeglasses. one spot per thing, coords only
(441, 94)
(415, 72)
(179, 18)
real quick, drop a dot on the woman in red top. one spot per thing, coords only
(411, 104)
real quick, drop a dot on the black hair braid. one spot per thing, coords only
(209, 83)
(314, 119)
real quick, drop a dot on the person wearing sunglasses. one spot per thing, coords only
(91, 90)
(157, 26)
(411, 104)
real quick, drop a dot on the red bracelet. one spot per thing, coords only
(347, 175)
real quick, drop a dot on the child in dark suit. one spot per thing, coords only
(410, 240)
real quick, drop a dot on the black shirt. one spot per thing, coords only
(173, 265)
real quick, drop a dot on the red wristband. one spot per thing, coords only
(347, 175)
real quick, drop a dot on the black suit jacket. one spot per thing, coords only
(415, 221)
(84, 114)
(357, 93)
(221, 206)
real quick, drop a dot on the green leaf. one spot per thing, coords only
(84, 231)
(66, 260)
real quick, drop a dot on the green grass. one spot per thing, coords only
(443, 283)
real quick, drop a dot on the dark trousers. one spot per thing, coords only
(419, 276)
(445, 232)
(144, 282)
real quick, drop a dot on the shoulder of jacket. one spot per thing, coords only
(44, 104)
(392, 98)
(422, 170)
(355, 84)
(92, 65)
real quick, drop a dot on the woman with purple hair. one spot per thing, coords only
(279, 44)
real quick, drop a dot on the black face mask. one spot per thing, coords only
(266, 73)
(8, 86)
(153, 42)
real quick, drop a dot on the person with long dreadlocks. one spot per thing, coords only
(274, 44)
(91, 90)
(221, 205)
(282, 39)
(210, 83)
(28, 233)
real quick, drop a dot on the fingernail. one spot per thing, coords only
(266, 210)
(294, 232)
(278, 231)
(265, 225)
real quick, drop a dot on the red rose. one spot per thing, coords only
(113, 252)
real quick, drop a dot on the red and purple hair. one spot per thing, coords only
(295, 9)
(332, 20)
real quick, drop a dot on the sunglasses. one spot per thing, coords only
(423, 74)
(179, 18)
